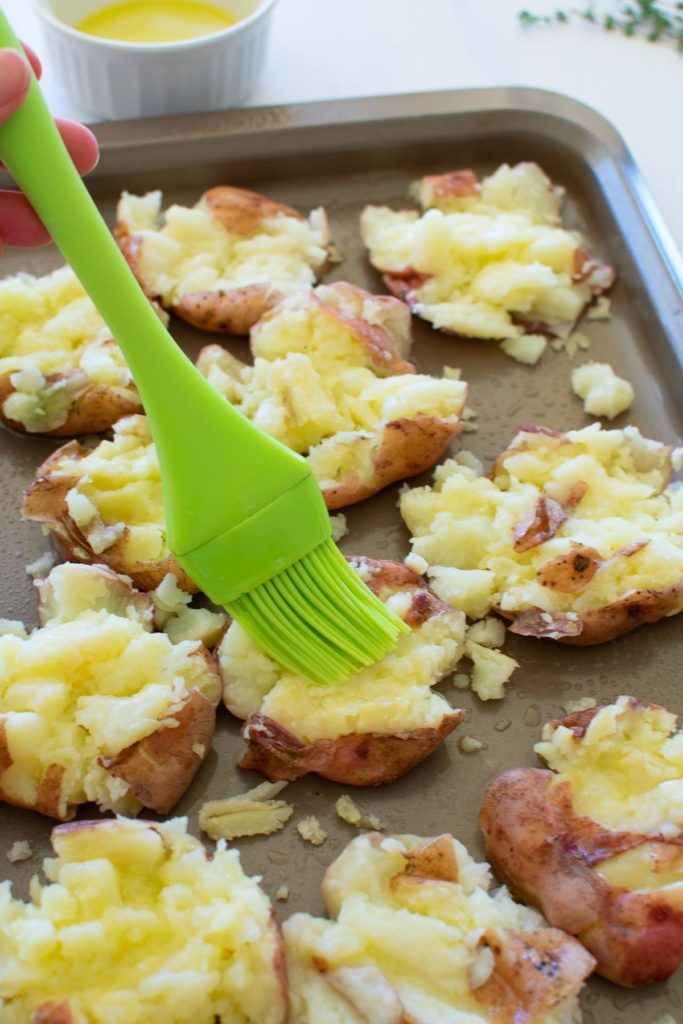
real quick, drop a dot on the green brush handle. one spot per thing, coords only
(205, 493)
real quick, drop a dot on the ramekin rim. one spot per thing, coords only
(265, 6)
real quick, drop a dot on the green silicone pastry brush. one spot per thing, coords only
(245, 517)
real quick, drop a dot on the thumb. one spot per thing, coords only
(15, 79)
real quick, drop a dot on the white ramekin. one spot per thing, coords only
(119, 80)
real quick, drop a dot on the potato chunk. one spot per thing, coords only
(60, 371)
(96, 707)
(369, 729)
(104, 504)
(222, 263)
(595, 842)
(330, 380)
(487, 259)
(482, 957)
(137, 923)
(574, 536)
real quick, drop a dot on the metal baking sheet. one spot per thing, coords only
(344, 155)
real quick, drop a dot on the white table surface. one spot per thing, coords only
(330, 49)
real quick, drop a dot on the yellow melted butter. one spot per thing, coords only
(156, 21)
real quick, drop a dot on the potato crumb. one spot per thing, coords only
(468, 416)
(600, 310)
(581, 704)
(489, 632)
(196, 624)
(461, 681)
(168, 597)
(469, 745)
(339, 527)
(452, 372)
(528, 348)
(351, 813)
(481, 968)
(41, 566)
(603, 392)
(416, 563)
(311, 830)
(253, 813)
(199, 749)
(502, 725)
(492, 670)
(283, 893)
(12, 627)
(571, 344)
(21, 850)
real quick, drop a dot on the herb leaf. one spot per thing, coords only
(653, 19)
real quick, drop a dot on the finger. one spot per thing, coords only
(15, 79)
(19, 223)
(34, 60)
(81, 143)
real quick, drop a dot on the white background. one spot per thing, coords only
(329, 49)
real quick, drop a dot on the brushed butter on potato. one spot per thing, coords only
(95, 707)
(487, 259)
(136, 923)
(368, 729)
(594, 842)
(482, 957)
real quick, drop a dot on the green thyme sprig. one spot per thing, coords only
(649, 18)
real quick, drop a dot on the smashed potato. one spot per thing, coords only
(595, 842)
(482, 957)
(577, 536)
(224, 262)
(330, 380)
(137, 923)
(373, 727)
(60, 371)
(96, 707)
(105, 505)
(486, 259)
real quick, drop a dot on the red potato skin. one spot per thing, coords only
(227, 312)
(599, 625)
(548, 856)
(408, 447)
(358, 759)
(242, 212)
(52, 1012)
(160, 767)
(533, 973)
(45, 502)
(452, 184)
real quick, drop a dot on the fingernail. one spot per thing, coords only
(14, 75)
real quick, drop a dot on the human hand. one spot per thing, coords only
(19, 223)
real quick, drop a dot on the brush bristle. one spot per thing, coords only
(318, 619)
